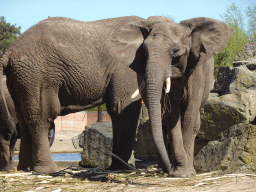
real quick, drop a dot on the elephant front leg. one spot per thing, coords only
(124, 128)
(189, 133)
(178, 154)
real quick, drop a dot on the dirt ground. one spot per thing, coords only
(63, 143)
(74, 178)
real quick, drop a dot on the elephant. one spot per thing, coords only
(60, 66)
(9, 130)
(176, 62)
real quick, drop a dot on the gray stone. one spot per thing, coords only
(144, 148)
(144, 145)
(97, 138)
(233, 151)
(248, 51)
(234, 102)
(78, 141)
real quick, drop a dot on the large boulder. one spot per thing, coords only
(232, 102)
(96, 141)
(233, 151)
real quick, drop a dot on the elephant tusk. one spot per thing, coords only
(135, 93)
(142, 85)
(168, 85)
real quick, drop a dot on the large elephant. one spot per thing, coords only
(61, 66)
(9, 130)
(179, 56)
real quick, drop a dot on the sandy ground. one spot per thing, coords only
(63, 143)
(150, 179)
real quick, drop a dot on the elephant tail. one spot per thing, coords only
(4, 62)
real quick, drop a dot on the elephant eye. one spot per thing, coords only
(175, 50)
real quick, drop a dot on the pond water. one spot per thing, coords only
(61, 157)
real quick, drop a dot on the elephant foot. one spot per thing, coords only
(23, 167)
(180, 172)
(49, 168)
(192, 171)
(8, 167)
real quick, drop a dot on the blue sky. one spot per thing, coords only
(26, 13)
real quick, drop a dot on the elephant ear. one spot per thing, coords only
(126, 40)
(207, 35)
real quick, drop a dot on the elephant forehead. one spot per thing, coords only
(173, 30)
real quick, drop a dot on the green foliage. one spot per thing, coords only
(234, 18)
(251, 14)
(104, 108)
(8, 34)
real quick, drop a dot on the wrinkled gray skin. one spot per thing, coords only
(61, 66)
(9, 130)
(182, 51)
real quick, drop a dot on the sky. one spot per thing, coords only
(26, 13)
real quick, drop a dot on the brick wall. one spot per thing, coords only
(78, 121)
(92, 117)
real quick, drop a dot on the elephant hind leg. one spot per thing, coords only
(37, 118)
(25, 154)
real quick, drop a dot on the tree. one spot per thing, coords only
(234, 18)
(8, 33)
(251, 14)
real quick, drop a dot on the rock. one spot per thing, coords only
(97, 138)
(144, 148)
(144, 145)
(78, 141)
(233, 151)
(248, 51)
(233, 102)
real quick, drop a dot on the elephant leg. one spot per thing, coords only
(189, 135)
(25, 154)
(38, 112)
(179, 158)
(124, 129)
(41, 154)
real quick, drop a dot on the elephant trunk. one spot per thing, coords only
(154, 84)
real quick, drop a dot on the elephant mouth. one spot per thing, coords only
(143, 84)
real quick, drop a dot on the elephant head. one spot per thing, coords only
(161, 50)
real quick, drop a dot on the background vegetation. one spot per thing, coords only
(8, 33)
(234, 17)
